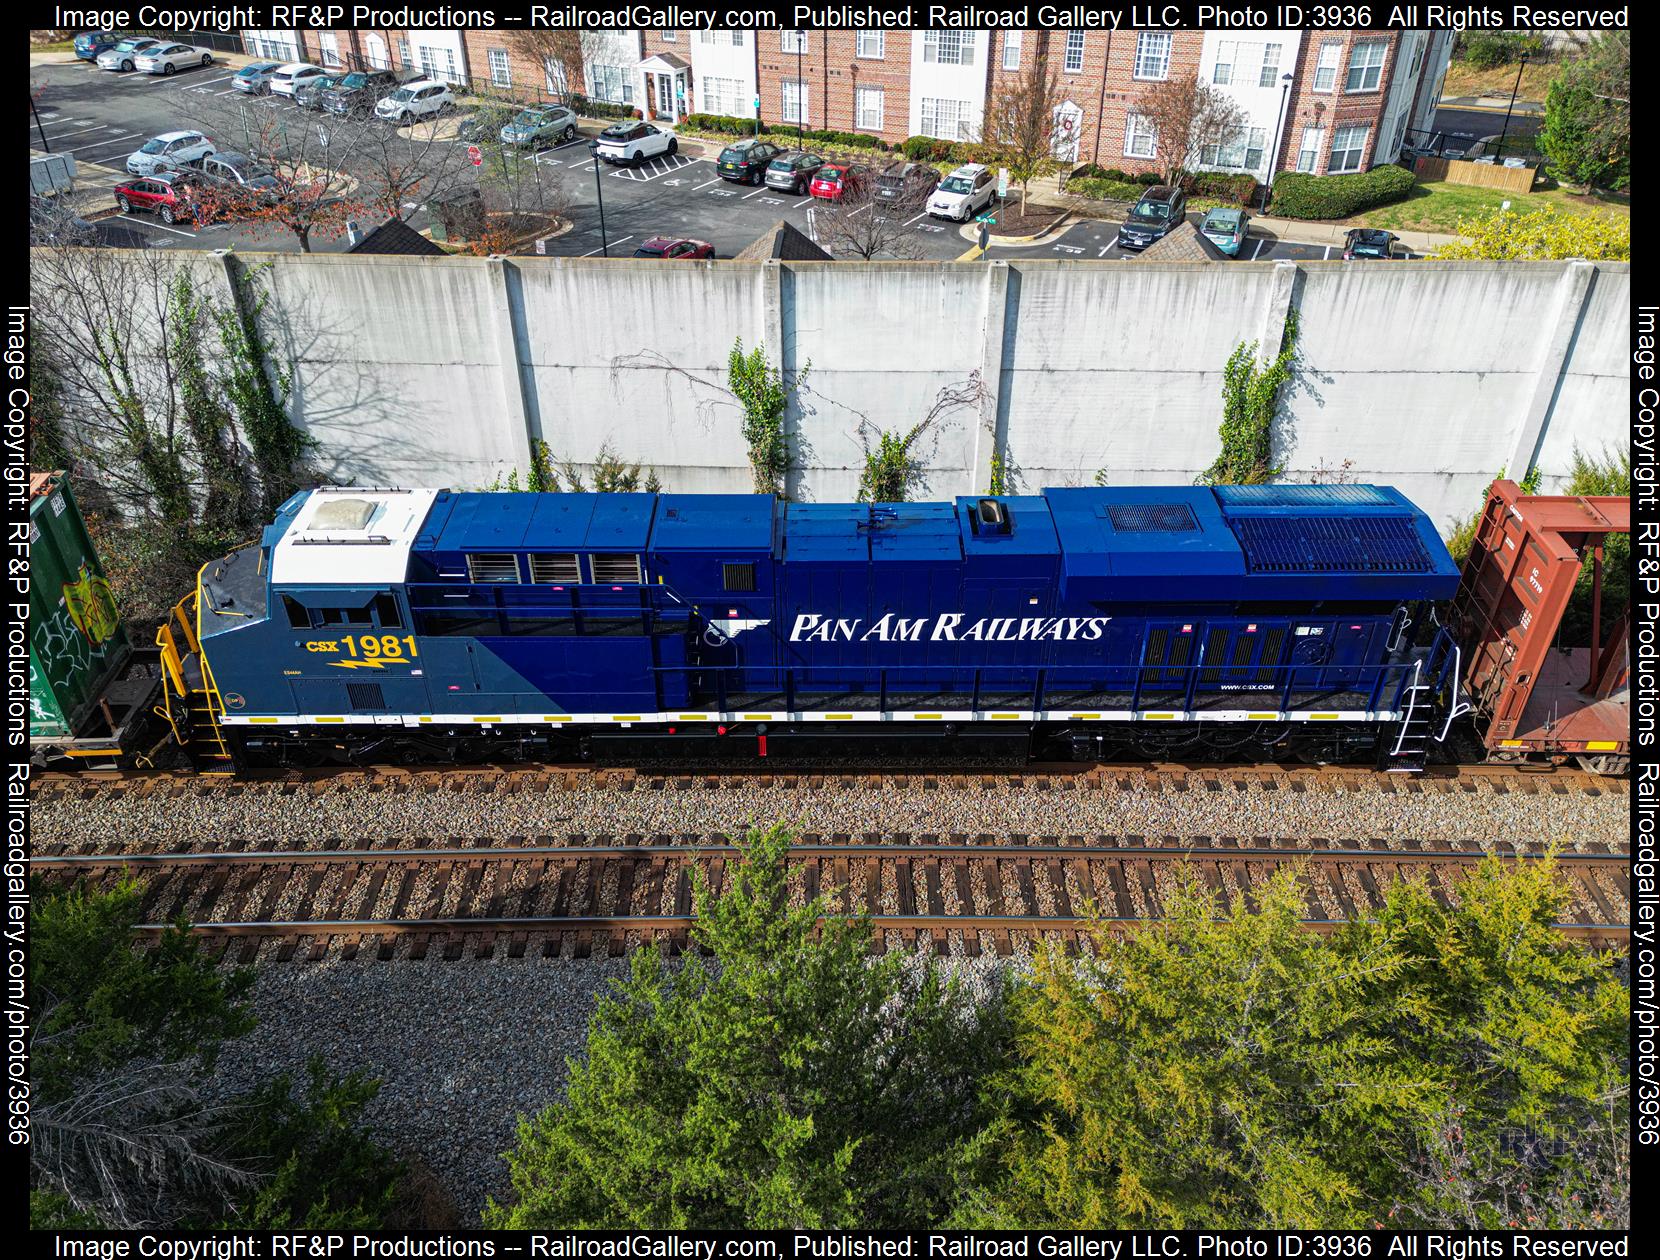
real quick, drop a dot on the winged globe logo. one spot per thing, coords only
(722, 630)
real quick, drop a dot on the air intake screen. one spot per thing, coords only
(486, 567)
(1328, 544)
(365, 696)
(1302, 496)
(615, 568)
(557, 567)
(1152, 518)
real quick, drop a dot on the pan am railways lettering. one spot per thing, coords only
(812, 628)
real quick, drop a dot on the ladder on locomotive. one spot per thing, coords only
(191, 702)
(1425, 705)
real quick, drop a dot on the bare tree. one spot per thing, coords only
(1187, 116)
(562, 54)
(311, 189)
(1020, 122)
(857, 225)
(895, 465)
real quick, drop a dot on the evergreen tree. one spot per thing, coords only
(793, 1083)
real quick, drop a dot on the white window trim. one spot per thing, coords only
(1335, 46)
(1227, 54)
(1012, 41)
(1318, 137)
(859, 98)
(803, 102)
(933, 46)
(501, 73)
(1359, 150)
(1269, 74)
(881, 38)
(1383, 56)
(1134, 126)
(792, 42)
(1169, 49)
(1066, 53)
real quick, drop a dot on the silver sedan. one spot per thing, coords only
(171, 58)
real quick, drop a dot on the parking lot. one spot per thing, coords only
(101, 117)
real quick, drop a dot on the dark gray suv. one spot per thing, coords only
(793, 171)
(1160, 209)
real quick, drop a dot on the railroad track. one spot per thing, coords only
(943, 894)
(1039, 777)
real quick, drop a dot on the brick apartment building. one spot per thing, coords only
(1335, 101)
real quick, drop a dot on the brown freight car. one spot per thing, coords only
(1534, 700)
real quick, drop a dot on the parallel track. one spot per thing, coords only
(581, 898)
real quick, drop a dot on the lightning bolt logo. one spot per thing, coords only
(357, 664)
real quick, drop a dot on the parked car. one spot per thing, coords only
(171, 58)
(124, 56)
(484, 122)
(746, 161)
(169, 195)
(310, 94)
(906, 184)
(292, 75)
(793, 170)
(1160, 209)
(169, 151)
(235, 172)
(88, 44)
(424, 98)
(834, 180)
(359, 92)
(674, 247)
(963, 193)
(1362, 243)
(632, 143)
(1226, 228)
(540, 125)
(255, 79)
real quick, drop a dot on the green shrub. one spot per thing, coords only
(1487, 49)
(1233, 190)
(1105, 189)
(929, 149)
(1302, 196)
(588, 108)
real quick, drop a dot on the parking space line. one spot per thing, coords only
(800, 203)
(1261, 241)
(608, 244)
(59, 135)
(160, 227)
(1327, 254)
(98, 144)
(224, 78)
(756, 193)
(706, 184)
(908, 222)
(1103, 252)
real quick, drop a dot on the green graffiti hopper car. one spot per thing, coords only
(77, 644)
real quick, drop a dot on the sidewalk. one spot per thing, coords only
(1489, 104)
(1047, 192)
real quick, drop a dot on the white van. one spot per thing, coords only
(294, 74)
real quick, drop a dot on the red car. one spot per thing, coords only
(835, 179)
(170, 195)
(674, 247)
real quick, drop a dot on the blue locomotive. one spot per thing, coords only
(411, 625)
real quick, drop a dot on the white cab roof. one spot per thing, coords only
(312, 554)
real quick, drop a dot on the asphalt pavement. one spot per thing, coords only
(101, 117)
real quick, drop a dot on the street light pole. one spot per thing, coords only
(1279, 126)
(1514, 88)
(45, 147)
(800, 43)
(599, 195)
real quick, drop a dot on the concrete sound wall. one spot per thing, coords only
(1427, 376)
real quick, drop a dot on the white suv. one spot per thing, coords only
(963, 193)
(294, 74)
(169, 152)
(634, 142)
(420, 99)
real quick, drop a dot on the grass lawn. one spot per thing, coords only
(1437, 207)
(1464, 79)
(67, 45)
